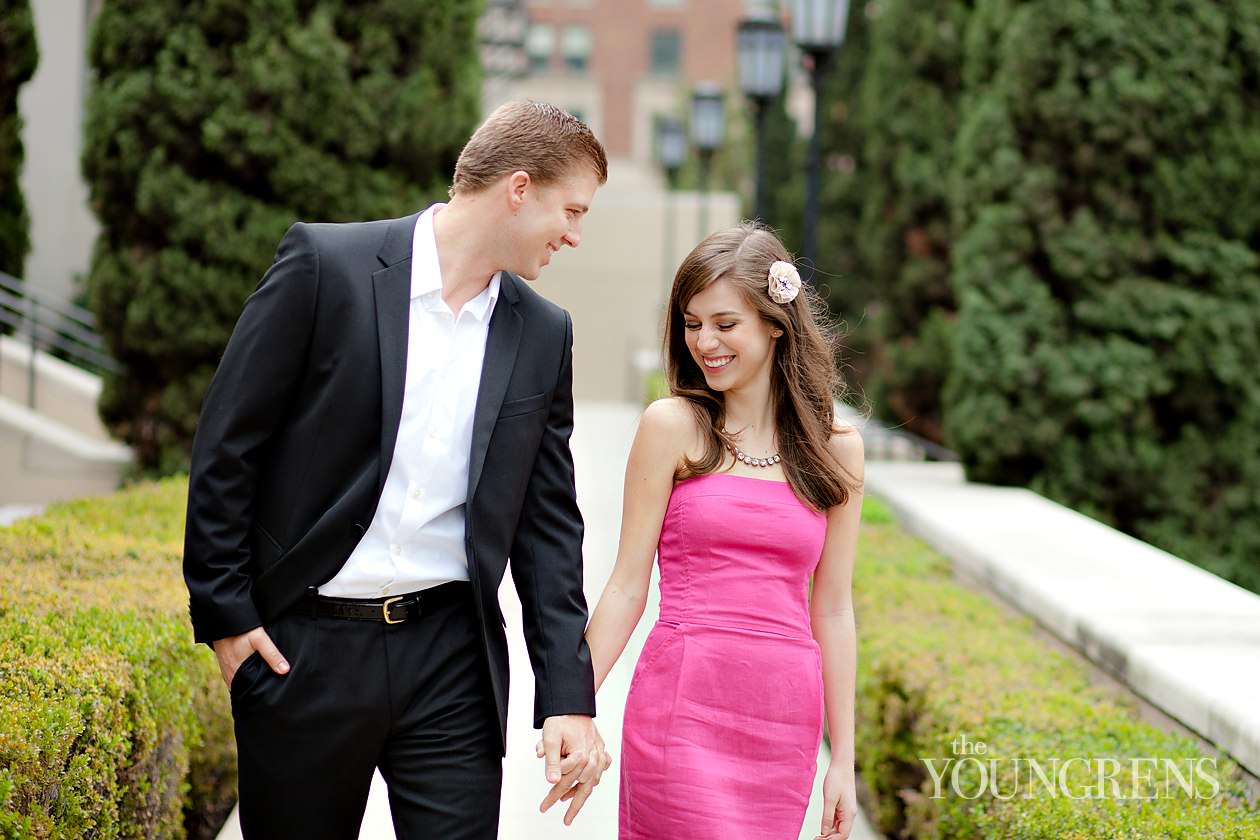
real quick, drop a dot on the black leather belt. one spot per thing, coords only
(396, 609)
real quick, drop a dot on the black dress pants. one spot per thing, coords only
(412, 699)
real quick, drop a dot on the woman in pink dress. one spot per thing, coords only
(744, 486)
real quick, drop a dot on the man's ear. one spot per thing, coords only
(518, 184)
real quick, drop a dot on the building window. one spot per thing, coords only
(540, 43)
(666, 53)
(577, 48)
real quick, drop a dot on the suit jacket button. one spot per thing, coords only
(359, 530)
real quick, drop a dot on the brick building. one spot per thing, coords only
(615, 63)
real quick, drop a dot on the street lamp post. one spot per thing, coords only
(760, 45)
(708, 123)
(671, 151)
(818, 30)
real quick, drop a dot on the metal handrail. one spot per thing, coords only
(52, 325)
(887, 443)
(893, 443)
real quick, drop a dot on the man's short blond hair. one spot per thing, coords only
(535, 137)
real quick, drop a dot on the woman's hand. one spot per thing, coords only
(839, 802)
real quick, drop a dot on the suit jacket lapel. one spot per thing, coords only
(391, 287)
(502, 342)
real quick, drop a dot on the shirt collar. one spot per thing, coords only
(426, 272)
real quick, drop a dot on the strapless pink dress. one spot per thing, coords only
(725, 712)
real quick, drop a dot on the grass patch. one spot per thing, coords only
(938, 661)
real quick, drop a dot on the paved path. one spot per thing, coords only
(600, 445)
(12, 513)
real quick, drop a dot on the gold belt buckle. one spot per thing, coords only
(385, 610)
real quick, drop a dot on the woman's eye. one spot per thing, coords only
(725, 327)
(692, 327)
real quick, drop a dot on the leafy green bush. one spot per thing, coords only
(1106, 191)
(19, 55)
(939, 662)
(211, 128)
(112, 722)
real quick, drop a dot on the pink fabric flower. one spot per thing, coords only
(785, 282)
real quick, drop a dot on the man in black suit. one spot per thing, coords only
(389, 425)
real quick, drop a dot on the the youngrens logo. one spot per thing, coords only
(971, 773)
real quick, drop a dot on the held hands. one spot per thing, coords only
(233, 650)
(575, 758)
(839, 802)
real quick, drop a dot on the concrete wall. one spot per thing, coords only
(57, 449)
(43, 461)
(63, 392)
(51, 105)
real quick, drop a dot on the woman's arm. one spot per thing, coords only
(831, 611)
(657, 450)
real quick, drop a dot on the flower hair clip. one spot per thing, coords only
(785, 282)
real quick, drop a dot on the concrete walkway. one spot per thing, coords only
(601, 442)
(12, 513)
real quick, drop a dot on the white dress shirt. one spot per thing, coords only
(416, 539)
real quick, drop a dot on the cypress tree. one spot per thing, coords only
(844, 276)
(1107, 195)
(19, 54)
(910, 96)
(214, 126)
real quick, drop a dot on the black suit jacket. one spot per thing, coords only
(298, 429)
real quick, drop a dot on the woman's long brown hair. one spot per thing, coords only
(803, 379)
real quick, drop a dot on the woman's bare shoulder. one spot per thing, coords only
(670, 415)
(670, 424)
(846, 446)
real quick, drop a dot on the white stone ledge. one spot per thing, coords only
(1183, 639)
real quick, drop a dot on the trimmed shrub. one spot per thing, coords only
(910, 92)
(940, 662)
(1107, 197)
(112, 722)
(211, 128)
(19, 54)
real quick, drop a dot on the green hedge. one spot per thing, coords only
(112, 722)
(938, 661)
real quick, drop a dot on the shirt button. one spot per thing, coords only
(395, 549)
(416, 492)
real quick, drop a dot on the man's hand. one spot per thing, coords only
(575, 758)
(233, 650)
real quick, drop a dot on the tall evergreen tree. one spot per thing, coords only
(1107, 195)
(910, 97)
(212, 127)
(844, 275)
(19, 54)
